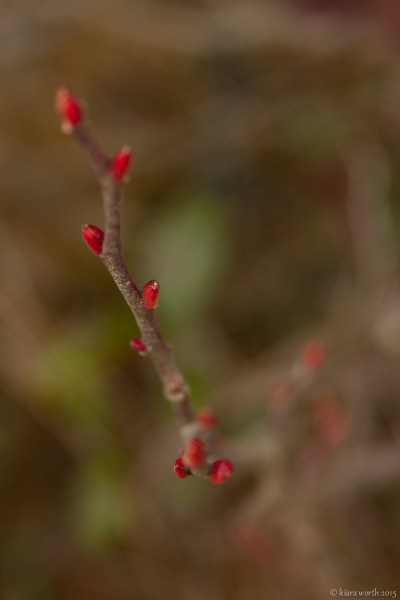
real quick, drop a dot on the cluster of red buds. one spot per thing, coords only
(330, 429)
(330, 425)
(194, 455)
(310, 361)
(220, 469)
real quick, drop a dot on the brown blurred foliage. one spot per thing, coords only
(264, 199)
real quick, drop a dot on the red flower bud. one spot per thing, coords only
(94, 237)
(120, 163)
(194, 453)
(69, 109)
(206, 417)
(180, 469)
(139, 346)
(332, 425)
(313, 354)
(221, 470)
(150, 294)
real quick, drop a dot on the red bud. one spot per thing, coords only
(94, 237)
(332, 425)
(150, 294)
(69, 109)
(206, 417)
(120, 163)
(180, 469)
(194, 453)
(313, 354)
(280, 393)
(221, 470)
(139, 346)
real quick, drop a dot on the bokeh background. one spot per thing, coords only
(264, 199)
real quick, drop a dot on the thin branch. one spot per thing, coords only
(176, 389)
(196, 458)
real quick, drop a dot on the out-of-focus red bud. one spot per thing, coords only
(120, 163)
(313, 354)
(332, 424)
(280, 393)
(180, 469)
(194, 453)
(150, 294)
(139, 346)
(69, 109)
(221, 470)
(94, 237)
(206, 417)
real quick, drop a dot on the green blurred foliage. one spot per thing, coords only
(190, 245)
(102, 510)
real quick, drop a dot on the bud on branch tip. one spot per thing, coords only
(94, 237)
(150, 294)
(221, 470)
(194, 453)
(180, 469)
(69, 109)
(120, 163)
(313, 354)
(206, 417)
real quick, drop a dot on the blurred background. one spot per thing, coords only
(264, 199)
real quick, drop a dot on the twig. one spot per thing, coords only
(176, 389)
(111, 176)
